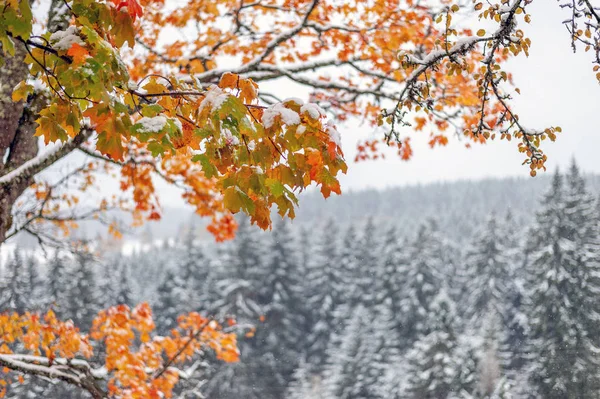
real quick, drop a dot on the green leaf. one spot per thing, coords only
(152, 110)
(247, 203)
(7, 45)
(156, 148)
(207, 166)
(275, 187)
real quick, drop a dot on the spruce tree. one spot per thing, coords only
(325, 291)
(193, 266)
(123, 292)
(423, 277)
(432, 366)
(349, 265)
(514, 348)
(367, 262)
(306, 384)
(32, 270)
(564, 322)
(390, 274)
(279, 338)
(81, 295)
(238, 284)
(359, 359)
(167, 305)
(15, 292)
(56, 284)
(488, 274)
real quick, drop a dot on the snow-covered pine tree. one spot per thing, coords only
(359, 359)
(194, 268)
(238, 285)
(325, 290)
(238, 282)
(348, 264)
(390, 273)
(564, 328)
(56, 285)
(32, 270)
(168, 305)
(367, 257)
(514, 349)
(279, 338)
(487, 274)
(81, 295)
(432, 365)
(423, 277)
(123, 289)
(490, 372)
(15, 290)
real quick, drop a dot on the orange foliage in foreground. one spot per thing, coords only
(137, 363)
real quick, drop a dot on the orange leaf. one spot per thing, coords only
(229, 81)
(78, 53)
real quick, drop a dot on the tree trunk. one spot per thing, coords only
(17, 144)
(17, 121)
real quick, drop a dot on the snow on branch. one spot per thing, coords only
(42, 161)
(72, 371)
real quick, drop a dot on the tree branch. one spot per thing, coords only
(41, 162)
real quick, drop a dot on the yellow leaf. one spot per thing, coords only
(21, 91)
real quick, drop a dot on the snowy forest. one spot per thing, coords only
(491, 298)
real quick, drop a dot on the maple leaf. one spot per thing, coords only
(111, 129)
(78, 53)
(133, 8)
(229, 81)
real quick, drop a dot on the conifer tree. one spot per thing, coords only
(488, 274)
(490, 372)
(280, 296)
(423, 278)
(359, 359)
(239, 284)
(348, 261)
(168, 305)
(15, 291)
(514, 348)
(194, 267)
(390, 273)
(564, 323)
(32, 270)
(123, 294)
(432, 366)
(56, 284)
(367, 262)
(80, 294)
(325, 292)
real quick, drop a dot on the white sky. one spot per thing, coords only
(558, 88)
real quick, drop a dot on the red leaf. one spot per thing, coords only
(134, 9)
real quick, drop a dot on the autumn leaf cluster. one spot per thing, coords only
(136, 363)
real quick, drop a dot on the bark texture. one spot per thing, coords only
(17, 122)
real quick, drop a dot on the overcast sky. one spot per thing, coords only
(558, 88)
